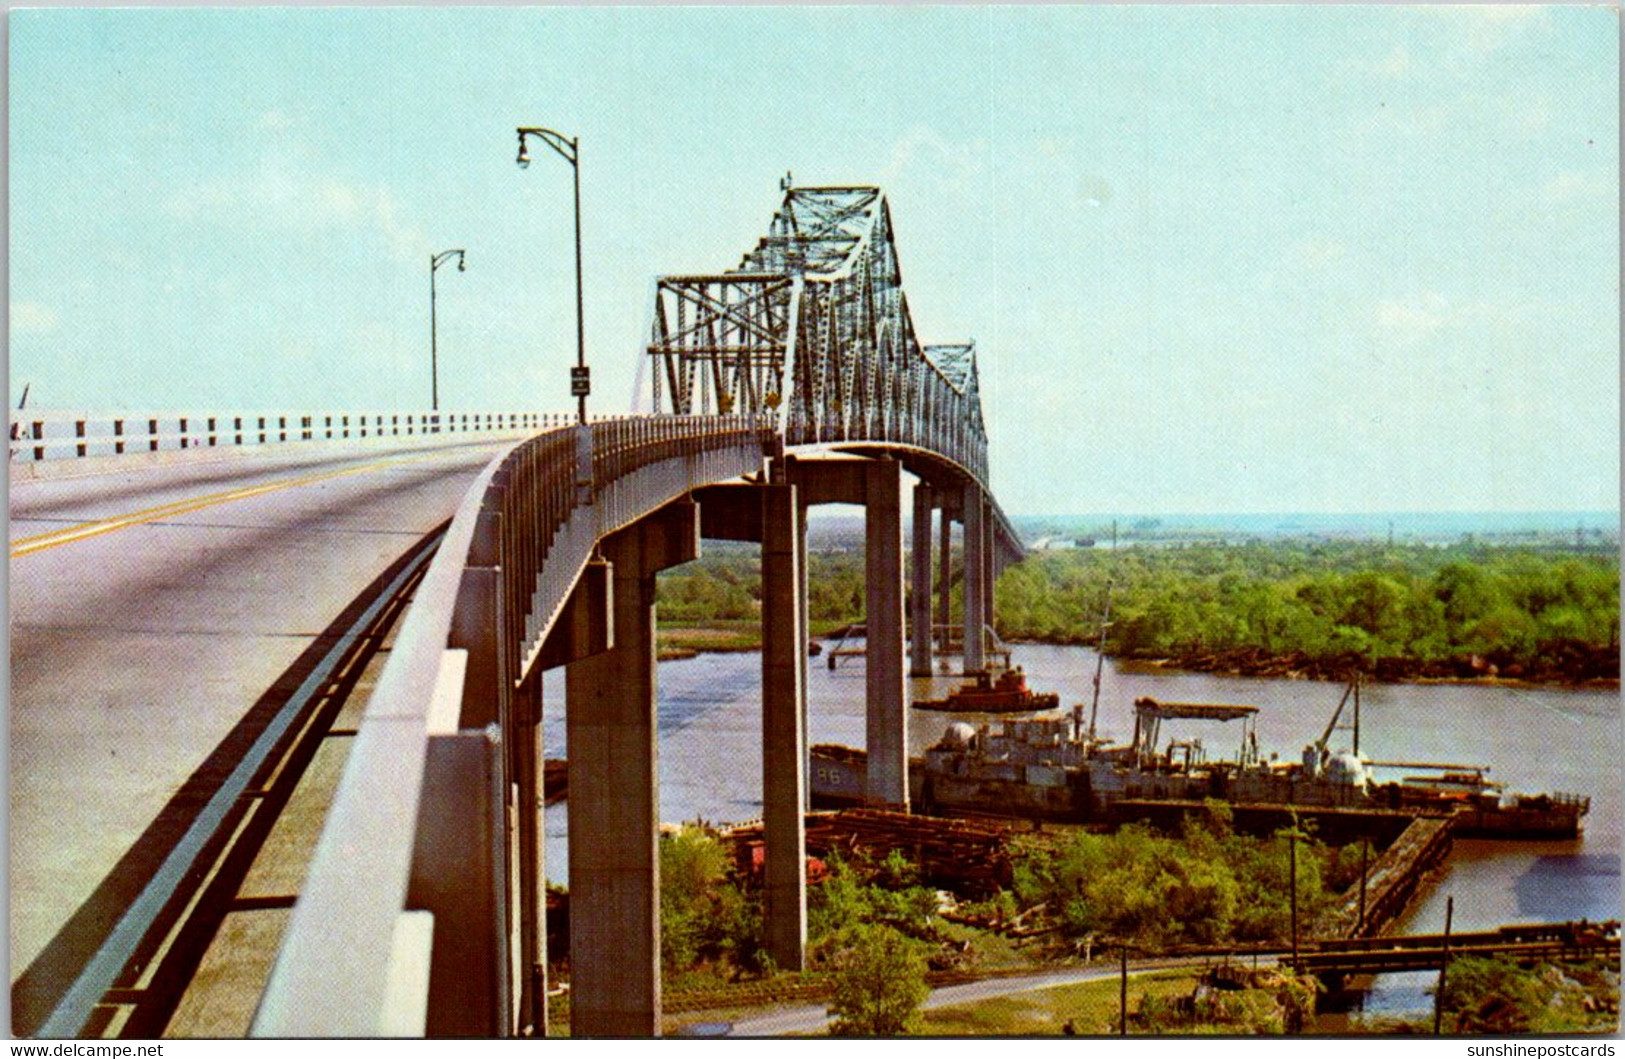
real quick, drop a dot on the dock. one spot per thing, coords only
(1334, 824)
(1569, 941)
(1381, 896)
(996, 650)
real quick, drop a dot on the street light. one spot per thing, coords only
(435, 261)
(570, 151)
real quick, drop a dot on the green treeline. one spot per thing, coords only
(1398, 611)
(1205, 886)
(1314, 607)
(728, 585)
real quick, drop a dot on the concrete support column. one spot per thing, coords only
(990, 575)
(805, 639)
(614, 814)
(975, 584)
(784, 738)
(532, 859)
(945, 579)
(919, 610)
(887, 714)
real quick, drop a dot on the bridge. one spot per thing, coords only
(793, 380)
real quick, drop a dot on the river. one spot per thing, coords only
(1532, 739)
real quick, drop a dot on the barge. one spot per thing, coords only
(1050, 768)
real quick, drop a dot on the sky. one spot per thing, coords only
(1214, 259)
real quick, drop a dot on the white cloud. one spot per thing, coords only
(1316, 253)
(300, 202)
(1093, 190)
(1407, 120)
(1487, 28)
(1480, 31)
(1568, 186)
(32, 318)
(1417, 317)
(923, 146)
(1413, 318)
(1535, 116)
(1397, 64)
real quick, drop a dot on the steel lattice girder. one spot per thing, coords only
(818, 307)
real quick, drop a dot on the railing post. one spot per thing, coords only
(459, 874)
(584, 479)
(478, 914)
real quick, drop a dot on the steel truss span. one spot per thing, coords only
(807, 346)
(813, 329)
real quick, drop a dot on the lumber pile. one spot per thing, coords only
(961, 855)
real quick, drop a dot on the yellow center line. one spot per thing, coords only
(40, 542)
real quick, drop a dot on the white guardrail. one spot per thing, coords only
(357, 954)
(42, 435)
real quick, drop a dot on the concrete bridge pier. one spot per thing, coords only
(527, 770)
(614, 805)
(990, 567)
(876, 484)
(976, 596)
(887, 714)
(919, 609)
(784, 733)
(774, 515)
(945, 575)
(804, 638)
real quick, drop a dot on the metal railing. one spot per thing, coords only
(509, 563)
(53, 435)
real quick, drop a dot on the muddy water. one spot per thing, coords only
(1534, 740)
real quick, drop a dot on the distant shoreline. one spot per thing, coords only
(691, 640)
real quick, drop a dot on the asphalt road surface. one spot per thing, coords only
(812, 1018)
(152, 610)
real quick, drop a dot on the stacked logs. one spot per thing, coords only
(961, 855)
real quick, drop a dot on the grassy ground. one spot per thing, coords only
(744, 634)
(1091, 1008)
(685, 641)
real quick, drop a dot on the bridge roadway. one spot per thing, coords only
(795, 381)
(151, 612)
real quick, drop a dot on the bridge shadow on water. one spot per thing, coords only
(1547, 891)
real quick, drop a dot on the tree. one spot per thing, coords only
(1492, 995)
(703, 914)
(879, 983)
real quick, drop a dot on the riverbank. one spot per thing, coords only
(674, 642)
(1592, 667)
(1595, 668)
(689, 639)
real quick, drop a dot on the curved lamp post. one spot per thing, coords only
(570, 151)
(435, 261)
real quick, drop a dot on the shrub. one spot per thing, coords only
(879, 981)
